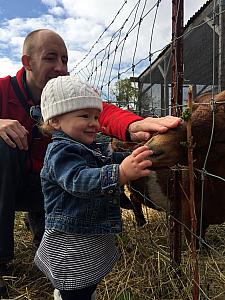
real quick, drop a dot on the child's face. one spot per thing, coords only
(80, 125)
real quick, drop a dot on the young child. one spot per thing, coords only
(81, 184)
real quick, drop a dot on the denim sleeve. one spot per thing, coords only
(70, 171)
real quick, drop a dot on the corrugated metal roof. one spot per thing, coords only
(201, 9)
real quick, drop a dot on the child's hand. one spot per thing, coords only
(135, 165)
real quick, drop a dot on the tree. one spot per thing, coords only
(126, 94)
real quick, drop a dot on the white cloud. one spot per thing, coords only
(57, 11)
(51, 2)
(99, 10)
(9, 67)
(81, 22)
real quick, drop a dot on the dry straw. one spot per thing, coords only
(144, 270)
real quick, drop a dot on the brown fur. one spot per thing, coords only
(169, 149)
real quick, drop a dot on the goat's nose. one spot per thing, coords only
(157, 151)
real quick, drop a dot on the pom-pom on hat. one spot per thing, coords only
(66, 94)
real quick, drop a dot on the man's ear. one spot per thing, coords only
(26, 62)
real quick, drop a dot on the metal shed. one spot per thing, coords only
(203, 58)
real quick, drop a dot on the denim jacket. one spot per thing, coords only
(81, 187)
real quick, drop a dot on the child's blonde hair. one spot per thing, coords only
(46, 128)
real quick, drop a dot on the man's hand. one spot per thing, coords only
(135, 165)
(142, 130)
(13, 133)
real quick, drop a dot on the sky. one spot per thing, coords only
(84, 25)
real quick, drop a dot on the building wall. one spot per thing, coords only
(201, 59)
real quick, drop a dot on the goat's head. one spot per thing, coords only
(208, 128)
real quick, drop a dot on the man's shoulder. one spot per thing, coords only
(5, 80)
(4, 89)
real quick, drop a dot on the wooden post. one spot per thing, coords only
(176, 108)
(191, 201)
(177, 56)
(221, 60)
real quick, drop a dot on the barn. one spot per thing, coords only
(203, 62)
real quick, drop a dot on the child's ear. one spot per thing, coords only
(55, 123)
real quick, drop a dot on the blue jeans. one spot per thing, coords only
(18, 192)
(82, 294)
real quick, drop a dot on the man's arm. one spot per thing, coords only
(11, 131)
(115, 121)
(126, 125)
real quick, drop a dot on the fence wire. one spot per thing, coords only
(201, 57)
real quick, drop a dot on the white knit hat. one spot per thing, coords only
(65, 94)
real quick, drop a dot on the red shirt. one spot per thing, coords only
(113, 120)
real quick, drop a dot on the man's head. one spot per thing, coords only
(44, 57)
